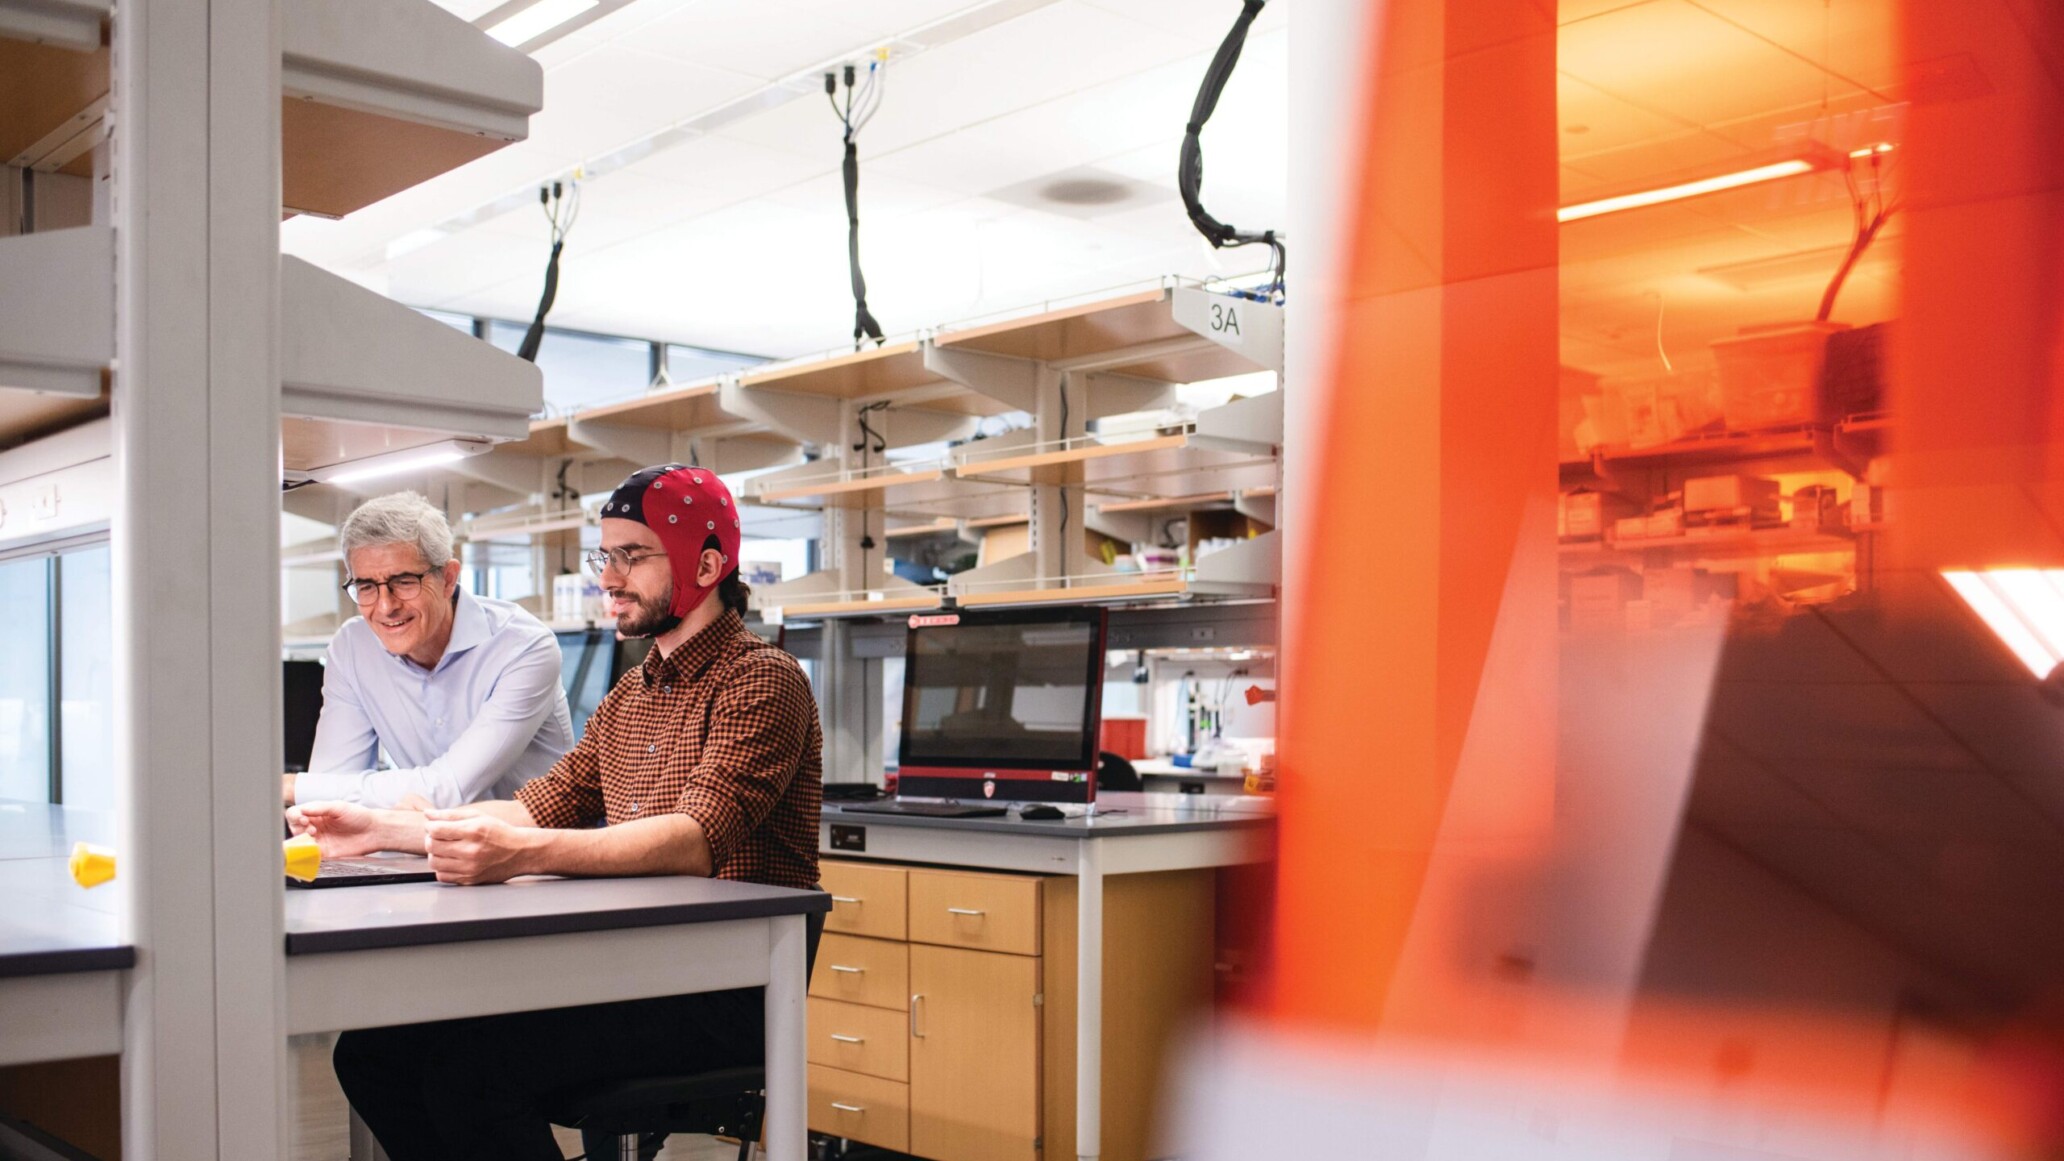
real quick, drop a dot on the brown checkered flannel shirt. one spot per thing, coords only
(724, 731)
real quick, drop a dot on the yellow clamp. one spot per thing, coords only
(91, 865)
(304, 857)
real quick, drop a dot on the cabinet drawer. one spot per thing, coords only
(984, 912)
(857, 1038)
(874, 972)
(863, 1108)
(865, 900)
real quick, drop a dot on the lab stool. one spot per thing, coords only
(628, 1120)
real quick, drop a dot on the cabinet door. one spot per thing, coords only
(974, 1055)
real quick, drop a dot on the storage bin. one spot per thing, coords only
(1771, 377)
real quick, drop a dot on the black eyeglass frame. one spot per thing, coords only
(421, 578)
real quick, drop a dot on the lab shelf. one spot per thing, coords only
(1735, 545)
(361, 374)
(1142, 334)
(1202, 502)
(376, 96)
(1156, 466)
(57, 329)
(687, 408)
(1846, 445)
(73, 24)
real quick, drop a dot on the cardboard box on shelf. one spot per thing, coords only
(1598, 598)
(1574, 439)
(1585, 515)
(1652, 410)
(1771, 376)
(1816, 507)
(1714, 493)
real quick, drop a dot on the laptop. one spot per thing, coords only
(369, 871)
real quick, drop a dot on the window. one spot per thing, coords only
(686, 364)
(25, 641)
(582, 370)
(57, 688)
(86, 685)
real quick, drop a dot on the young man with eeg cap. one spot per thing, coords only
(706, 760)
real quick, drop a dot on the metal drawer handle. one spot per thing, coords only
(846, 1108)
(964, 911)
(914, 1001)
(845, 899)
(839, 967)
(848, 1039)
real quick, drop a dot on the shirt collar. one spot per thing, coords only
(696, 653)
(469, 627)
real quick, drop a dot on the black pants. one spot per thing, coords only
(471, 1088)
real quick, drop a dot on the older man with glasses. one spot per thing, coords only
(461, 692)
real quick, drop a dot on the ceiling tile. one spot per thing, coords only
(612, 95)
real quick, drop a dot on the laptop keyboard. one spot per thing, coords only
(352, 869)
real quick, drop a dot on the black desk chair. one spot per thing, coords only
(628, 1120)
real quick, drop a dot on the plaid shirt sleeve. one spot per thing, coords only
(758, 729)
(569, 795)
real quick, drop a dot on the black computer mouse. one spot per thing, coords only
(1040, 813)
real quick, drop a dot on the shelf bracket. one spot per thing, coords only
(1110, 393)
(817, 419)
(741, 453)
(639, 445)
(1011, 382)
(523, 475)
(1253, 424)
(1826, 448)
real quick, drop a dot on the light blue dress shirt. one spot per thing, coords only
(490, 717)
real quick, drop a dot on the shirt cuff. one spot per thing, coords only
(328, 787)
(723, 827)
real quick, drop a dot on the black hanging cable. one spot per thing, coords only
(1189, 175)
(561, 208)
(868, 99)
(1871, 213)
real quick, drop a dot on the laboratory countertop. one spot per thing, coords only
(1118, 815)
(49, 924)
(413, 914)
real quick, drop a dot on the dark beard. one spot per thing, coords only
(652, 617)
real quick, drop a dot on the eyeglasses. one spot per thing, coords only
(403, 585)
(617, 558)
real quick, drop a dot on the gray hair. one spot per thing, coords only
(398, 518)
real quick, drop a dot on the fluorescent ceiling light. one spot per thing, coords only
(2024, 608)
(536, 20)
(1689, 189)
(395, 463)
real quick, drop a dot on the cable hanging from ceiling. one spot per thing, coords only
(561, 202)
(863, 100)
(1190, 169)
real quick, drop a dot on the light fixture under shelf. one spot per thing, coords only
(397, 462)
(520, 24)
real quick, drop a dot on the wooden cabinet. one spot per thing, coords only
(865, 900)
(942, 1008)
(974, 1054)
(966, 909)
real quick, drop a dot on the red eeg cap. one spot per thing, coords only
(686, 506)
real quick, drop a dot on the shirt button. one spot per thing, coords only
(666, 689)
(634, 808)
(652, 749)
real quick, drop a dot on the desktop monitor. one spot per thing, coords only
(1002, 705)
(301, 685)
(586, 671)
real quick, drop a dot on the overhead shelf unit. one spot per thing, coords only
(1064, 368)
(376, 95)
(57, 329)
(362, 375)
